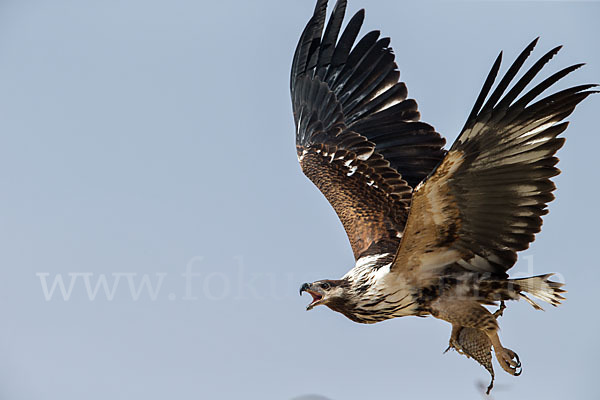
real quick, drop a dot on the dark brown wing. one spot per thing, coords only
(484, 202)
(358, 138)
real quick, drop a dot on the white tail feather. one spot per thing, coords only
(542, 288)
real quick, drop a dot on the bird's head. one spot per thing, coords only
(328, 292)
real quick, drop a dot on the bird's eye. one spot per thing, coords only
(325, 285)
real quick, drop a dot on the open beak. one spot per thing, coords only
(316, 295)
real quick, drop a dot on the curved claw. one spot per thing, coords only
(454, 344)
(518, 367)
(509, 361)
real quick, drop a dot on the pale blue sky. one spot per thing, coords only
(149, 138)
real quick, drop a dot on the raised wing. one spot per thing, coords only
(485, 200)
(358, 138)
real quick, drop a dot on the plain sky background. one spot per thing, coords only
(143, 137)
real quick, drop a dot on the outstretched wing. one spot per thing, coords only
(485, 200)
(358, 138)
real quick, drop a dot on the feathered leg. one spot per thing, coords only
(474, 328)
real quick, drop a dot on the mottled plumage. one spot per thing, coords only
(433, 232)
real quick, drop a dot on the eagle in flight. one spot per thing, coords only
(433, 231)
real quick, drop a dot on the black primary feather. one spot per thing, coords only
(363, 76)
(508, 145)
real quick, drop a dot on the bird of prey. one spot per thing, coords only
(433, 231)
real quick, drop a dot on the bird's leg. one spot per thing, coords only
(507, 355)
(500, 311)
(463, 314)
(508, 359)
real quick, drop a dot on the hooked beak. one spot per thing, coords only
(314, 292)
